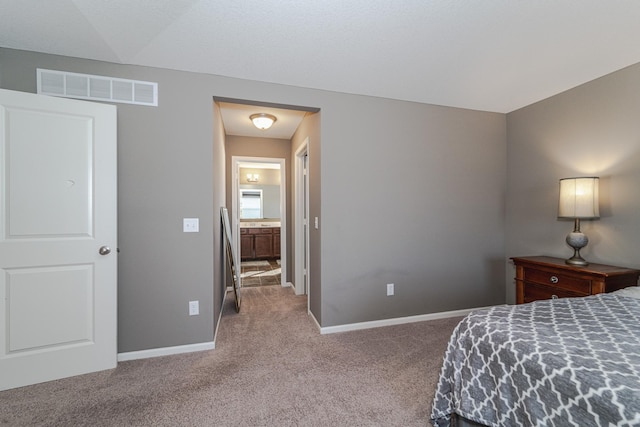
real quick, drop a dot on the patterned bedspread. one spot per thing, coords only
(563, 362)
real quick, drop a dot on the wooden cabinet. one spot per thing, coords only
(541, 277)
(263, 243)
(276, 243)
(246, 244)
(259, 243)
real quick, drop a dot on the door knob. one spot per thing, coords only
(104, 250)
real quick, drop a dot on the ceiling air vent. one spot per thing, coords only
(97, 88)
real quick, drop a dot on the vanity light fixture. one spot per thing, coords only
(263, 121)
(578, 200)
(252, 177)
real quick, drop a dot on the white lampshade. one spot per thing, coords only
(262, 120)
(579, 198)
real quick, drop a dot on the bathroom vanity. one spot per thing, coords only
(259, 240)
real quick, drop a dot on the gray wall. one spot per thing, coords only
(310, 128)
(404, 192)
(591, 130)
(166, 171)
(412, 194)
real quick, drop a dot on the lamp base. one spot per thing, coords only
(576, 260)
(577, 240)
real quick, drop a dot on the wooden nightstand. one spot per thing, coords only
(542, 277)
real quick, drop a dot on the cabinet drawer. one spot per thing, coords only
(260, 230)
(266, 230)
(558, 281)
(534, 292)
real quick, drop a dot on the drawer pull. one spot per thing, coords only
(554, 296)
(553, 279)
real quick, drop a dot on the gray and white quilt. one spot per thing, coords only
(562, 362)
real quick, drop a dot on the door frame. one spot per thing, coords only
(301, 233)
(236, 161)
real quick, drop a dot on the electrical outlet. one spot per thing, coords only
(390, 289)
(194, 308)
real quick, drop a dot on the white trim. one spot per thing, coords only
(235, 221)
(301, 205)
(165, 351)
(315, 320)
(395, 321)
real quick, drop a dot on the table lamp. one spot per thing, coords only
(578, 200)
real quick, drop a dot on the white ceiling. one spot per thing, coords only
(493, 55)
(237, 122)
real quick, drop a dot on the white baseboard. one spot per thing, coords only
(314, 320)
(168, 351)
(394, 321)
(165, 351)
(189, 348)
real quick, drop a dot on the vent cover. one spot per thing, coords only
(97, 88)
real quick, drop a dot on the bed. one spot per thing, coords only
(561, 362)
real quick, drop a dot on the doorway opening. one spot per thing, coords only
(260, 219)
(245, 143)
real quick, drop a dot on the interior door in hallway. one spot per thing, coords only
(58, 266)
(302, 219)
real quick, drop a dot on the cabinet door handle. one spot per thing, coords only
(553, 279)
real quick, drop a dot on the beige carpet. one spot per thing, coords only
(271, 367)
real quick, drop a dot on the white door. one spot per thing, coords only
(302, 219)
(58, 266)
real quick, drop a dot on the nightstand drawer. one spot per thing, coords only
(534, 292)
(559, 281)
(543, 277)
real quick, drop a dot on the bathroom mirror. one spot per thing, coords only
(259, 193)
(259, 201)
(251, 203)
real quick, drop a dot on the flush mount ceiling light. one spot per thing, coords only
(262, 121)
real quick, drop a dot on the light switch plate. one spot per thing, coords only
(190, 225)
(194, 308)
